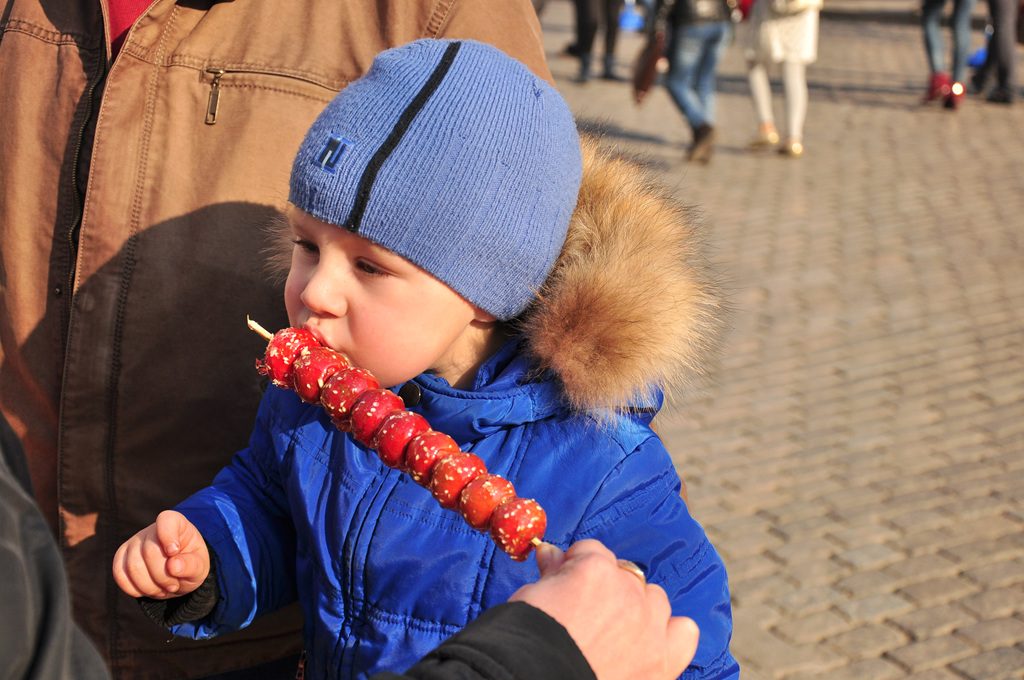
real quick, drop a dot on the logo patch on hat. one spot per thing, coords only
(331, 152)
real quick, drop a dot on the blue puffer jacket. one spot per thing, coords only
(383, 573)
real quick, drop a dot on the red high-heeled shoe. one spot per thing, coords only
(955, 96)
(939, 87)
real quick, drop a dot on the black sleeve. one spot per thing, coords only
(196, 605)
(38, 639)
(513, 641)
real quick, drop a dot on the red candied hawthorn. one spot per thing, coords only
(394, 433)
(313, 369)
(283, 349)
(481, 496)
(341, 391)
(450, 476)
(423, 452)
(515, 524)
(368, 412)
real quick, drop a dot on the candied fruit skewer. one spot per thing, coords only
(377, 419)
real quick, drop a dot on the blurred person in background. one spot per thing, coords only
(592, 15)
(1001, 54)
(701, 31)
(941, 87)
(781, 32)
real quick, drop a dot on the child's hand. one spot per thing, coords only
(166, 559)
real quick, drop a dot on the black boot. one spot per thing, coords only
(586, 60)
(703, 138)
(609, 68)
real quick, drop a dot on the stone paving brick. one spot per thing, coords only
(931, 622)
(791, 512)
(796, 552)
(935, 674)
(993, 633)
(978, 507)
(747, 545)
(865, 534)
(748, 503)
(920, 520)
(997, 574)
(760, 615)
(759, 590)
(766, 650)
(981, 486)
(869, 557)
(812, 628)
(738, 526)
(997, 664)
(808, 600)
(932, 653)
(875, 607)
(810, 527)
(995, 603)
(994, 547)
(938, 590)
(868, 641)
(752, 566)
(957, 534)
(865, 669)
(864, 583)
(922, 568)
(814, 573)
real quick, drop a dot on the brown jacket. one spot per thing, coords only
(132, 196)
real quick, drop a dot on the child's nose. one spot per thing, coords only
(323, 296)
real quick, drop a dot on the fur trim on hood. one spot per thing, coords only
(630, 307)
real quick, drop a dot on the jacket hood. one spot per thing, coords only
(630, 310)
(631, 307)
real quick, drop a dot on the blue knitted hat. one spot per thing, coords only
(454, 156)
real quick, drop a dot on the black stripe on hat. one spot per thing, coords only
(401, 127)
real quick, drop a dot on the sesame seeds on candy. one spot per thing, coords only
(377, 419)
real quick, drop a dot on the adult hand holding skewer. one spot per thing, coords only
(623, 625)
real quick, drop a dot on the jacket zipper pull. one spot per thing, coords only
(214, 101)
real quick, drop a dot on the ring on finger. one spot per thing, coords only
(633, 569)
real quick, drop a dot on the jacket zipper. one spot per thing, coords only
(76, 222)
(213, 102)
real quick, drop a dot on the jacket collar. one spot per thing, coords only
(506, 393)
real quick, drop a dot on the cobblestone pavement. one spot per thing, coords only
(859, 459)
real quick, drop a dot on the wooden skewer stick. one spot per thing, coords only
(267, 335)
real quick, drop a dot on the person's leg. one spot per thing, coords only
(761, 95)
(931, 23)
(794, 83)
(939, 84)
(962, 10)
(1003, 49)
(685, 54)
(716, 39)
(612, 9)
(586, 31)
(980, 78)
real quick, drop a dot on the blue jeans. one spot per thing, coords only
(694, 55)
(931, 20)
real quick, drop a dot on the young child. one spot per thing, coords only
(431, 200)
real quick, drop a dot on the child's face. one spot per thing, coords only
(388, 315)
